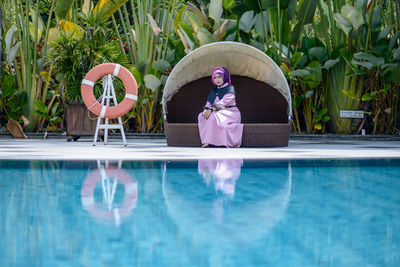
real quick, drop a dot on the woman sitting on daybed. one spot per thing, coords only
(220, 121)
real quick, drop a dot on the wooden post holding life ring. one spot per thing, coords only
(130, 198)
(94, 105)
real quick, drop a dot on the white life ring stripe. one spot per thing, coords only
(103, 111)
(116, 70)
(87, 201)
(130, 96)
(117, 216)
(130, 188)
(88, 82)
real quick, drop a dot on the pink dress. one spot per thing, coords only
(223, 127)
(222, 172)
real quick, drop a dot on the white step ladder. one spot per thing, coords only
(109, 93)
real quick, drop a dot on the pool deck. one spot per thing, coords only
(157, 149)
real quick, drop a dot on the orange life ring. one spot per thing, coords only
(130, 197)
(94, 105)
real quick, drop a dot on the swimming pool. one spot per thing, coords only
(200, 213)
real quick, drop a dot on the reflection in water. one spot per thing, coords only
(341, 213)
(246, 211)
(114, 182)
(223, 174)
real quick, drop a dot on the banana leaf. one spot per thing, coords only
(71, 27)
(63, 7)
(215, 10)
(247, 21)
(204, 36)
(353, 16)
(106, 8)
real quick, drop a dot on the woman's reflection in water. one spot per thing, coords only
(222, 174)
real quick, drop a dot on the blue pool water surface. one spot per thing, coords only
(203, 213)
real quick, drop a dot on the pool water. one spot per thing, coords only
(200, 213)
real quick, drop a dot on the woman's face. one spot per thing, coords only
(218, 79)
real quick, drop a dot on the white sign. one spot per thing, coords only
(353, 114)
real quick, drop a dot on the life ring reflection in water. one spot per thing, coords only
(109, 178)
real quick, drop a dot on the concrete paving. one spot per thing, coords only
(157, 149)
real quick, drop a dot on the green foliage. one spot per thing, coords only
(11, 45)
(247, 21)
(152, 82)
(306, 74)
(320, 118)
(63, 7)
(336, 54)
(274, 4)
(196, 27)
(147, 29)
(73, 58)
(25, 49)
(13, 101)
(161, 65)
(52, 115)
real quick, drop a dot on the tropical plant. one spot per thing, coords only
(26, 45)
(70, 14)
(331, 40)
(352, 34)
(74, 57)
(24, 29)
(53, 116)
(197, 26)
(146, 29)
(305, 69)
(1, 40)
(13, 100)
(379, 68)
(274, 26)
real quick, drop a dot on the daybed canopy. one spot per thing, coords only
(240, 59)
(262, 95)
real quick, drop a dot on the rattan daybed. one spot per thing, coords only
(262, 95)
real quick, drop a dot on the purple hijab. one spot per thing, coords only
(223, 72)
(222, 90)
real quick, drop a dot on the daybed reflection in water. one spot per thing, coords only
(109, 193)
(226, 203)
